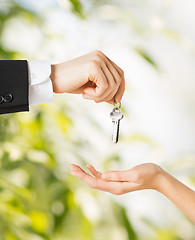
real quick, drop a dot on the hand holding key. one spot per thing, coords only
(93, 75)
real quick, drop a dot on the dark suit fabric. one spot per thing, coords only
(13, 86)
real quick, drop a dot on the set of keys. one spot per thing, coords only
(116, 115)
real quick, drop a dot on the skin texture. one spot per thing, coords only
(144, 176)
(93, 75)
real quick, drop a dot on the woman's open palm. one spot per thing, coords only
(140, 177)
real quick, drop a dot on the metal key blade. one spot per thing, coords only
(115, 135)
(116, 116)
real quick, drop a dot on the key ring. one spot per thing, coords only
(116, 104)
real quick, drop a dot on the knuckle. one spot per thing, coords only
(94, 64)
(121, 71)
(98, 53)
(98, 56)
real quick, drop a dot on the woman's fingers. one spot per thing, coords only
(94, 171)
(75, 167)
(116, 188)
(85, 177)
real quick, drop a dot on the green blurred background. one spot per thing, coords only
(153, 41)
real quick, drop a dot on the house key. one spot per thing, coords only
(116, 116)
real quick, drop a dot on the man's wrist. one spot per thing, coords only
(52, 76)
(55, 78)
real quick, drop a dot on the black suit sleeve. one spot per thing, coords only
(13, 86)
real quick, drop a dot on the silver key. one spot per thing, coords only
(116, 116)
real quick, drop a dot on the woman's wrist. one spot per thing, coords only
(159, 179)
(163, 180)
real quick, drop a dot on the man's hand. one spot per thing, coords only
(144, 176)
(93, 75)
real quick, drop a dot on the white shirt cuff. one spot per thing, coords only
(40, 85)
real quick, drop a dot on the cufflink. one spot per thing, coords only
(8, 98)
(1, 99)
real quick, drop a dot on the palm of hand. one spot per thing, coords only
(119, 182)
